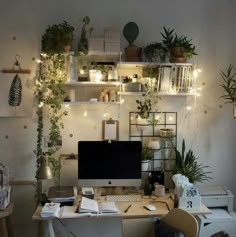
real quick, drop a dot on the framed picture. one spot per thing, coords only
(110, 129)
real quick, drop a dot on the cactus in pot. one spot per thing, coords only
(132, 52)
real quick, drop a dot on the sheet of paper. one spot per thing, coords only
(110, 131)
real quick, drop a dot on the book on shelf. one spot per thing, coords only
(92, 206)
(50, 210)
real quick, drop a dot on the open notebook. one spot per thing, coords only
(92, 206)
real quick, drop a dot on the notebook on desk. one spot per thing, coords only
(92, 206)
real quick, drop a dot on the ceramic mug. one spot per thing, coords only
(160, 190)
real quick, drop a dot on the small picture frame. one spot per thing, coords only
(110, 129)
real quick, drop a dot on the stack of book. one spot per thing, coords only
(62, 194)
(50, 210)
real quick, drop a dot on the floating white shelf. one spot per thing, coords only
(90, 102)
(90, 83)
(160, 93)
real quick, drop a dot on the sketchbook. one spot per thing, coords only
(92, 206)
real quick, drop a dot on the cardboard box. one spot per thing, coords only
(95, 45)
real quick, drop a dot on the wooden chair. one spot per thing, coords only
(183, 221)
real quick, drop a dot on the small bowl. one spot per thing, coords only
(166, 132)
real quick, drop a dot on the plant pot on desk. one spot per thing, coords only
(145, 165)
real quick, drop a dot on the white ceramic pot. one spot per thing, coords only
(154, 144)
(145, 165)
(142, 124)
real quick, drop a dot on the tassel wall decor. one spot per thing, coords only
(15, 92)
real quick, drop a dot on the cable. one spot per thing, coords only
(66, 227)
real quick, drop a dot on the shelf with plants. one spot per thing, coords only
(161, 127)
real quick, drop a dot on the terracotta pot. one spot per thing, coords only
(133, 54)
(67, 48)
(177, 55)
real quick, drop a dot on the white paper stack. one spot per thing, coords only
(50, 210)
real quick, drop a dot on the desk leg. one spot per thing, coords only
(3, 227)
(9, 226)
(50, 228)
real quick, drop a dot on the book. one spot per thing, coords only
(61, 194)
(50, 210)
(92, 206)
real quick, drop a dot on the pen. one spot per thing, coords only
(126, 210)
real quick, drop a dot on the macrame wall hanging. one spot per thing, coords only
(15, 91)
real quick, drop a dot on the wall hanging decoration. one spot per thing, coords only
(15, 92)
(14, 95)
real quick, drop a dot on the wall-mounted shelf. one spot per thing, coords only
(90, 83)
(160, 93)
(90, 102)
(16, 71)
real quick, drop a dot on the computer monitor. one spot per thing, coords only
(115, 163)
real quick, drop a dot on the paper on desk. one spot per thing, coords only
(218, 213)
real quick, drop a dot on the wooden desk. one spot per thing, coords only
(5, 222)
(136, 211)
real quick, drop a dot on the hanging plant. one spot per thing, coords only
(49, 94)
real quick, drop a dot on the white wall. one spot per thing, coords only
(208, 129)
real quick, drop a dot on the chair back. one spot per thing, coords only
(183, 221)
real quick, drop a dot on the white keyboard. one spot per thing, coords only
(125, 198)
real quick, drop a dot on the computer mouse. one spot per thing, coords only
(150, 207)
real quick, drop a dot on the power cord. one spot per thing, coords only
(66, 227)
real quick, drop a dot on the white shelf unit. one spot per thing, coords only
(87, 90)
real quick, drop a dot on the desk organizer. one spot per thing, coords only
(190, 199)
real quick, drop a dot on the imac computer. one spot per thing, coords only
(115, 163)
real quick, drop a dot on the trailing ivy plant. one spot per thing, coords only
(229, 84)
(49, 94)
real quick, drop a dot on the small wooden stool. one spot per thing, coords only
(5, 222)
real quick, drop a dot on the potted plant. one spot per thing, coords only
(187, 165)
(132, 52)
(146, 157)
(155, 52)
(229, 84)
(149, 101)
(57, 38)
(180, 47)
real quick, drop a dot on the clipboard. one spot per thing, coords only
(110, 129)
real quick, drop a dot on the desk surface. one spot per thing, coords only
(137, 209)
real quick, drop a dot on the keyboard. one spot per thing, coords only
(125, 198)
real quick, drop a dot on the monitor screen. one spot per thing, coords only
(115, 163)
